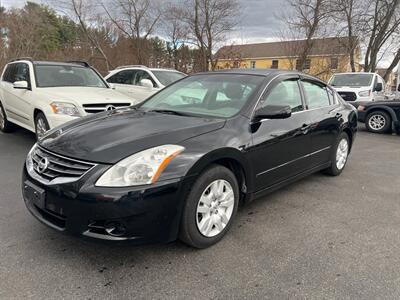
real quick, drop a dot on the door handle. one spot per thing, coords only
(304, 129)
(338, 115)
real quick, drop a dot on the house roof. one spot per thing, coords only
(322, 46)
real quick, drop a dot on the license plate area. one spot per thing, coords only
(34, 194)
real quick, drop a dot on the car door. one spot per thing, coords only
(17, 102)
(326, 119)
(123, 82)
(281, 146)
(379, 95)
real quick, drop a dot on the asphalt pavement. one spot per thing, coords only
(322, 237)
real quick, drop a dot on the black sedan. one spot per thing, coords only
(380, 116)
(178, 165)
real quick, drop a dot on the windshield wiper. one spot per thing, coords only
(171, 112)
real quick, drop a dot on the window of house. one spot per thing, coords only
(253, 64)
(316, 94)
(275, 64)
(306, 65)
(286, 92)
(334, 63)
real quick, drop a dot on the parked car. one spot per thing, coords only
(40, 95)
(380, 116)
(356, 87)
(141, 82)
(171, 168)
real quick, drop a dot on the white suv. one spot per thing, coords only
(141, 82)
(40, 95)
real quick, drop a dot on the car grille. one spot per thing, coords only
(57, 165)
(348, 96)
(100, 107)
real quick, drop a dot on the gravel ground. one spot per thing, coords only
(321, 237)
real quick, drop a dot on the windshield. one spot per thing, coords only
(64, 75)
(351, 80)
(215, 95)
(168, 77)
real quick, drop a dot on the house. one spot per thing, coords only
(326, 57)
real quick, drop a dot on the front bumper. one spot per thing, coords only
(146, 214)
(56, 120)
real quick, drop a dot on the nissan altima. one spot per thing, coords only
(179, 164)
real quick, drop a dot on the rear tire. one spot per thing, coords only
(210, 207)
(339, 156)
(5, 125)
(41, 125)
(378, 122)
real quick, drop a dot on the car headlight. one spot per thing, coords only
(64, 108)
(141, 168)
(364, 93)
(29, 160)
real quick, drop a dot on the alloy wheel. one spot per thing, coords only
(377, 122)
(215, 208)
(341, 153)
(2, 118)
(41, 128)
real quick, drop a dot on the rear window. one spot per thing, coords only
(168, 77)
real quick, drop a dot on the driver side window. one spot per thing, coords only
(143, 75)
(285, 93)
(123, 77)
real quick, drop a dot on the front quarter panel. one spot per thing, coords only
(230, 142)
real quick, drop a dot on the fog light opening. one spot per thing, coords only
(115, 229)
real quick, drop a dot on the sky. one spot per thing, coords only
(257, 23)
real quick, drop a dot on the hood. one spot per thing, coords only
(87, 95)
(111, 136)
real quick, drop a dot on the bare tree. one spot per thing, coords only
(383, 22)
(86, 14)
(349, 17)
(209, 21)
(175, 29)
(306, 21)
(393, 64)
(136, 19)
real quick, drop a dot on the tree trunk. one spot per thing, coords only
(394, 63)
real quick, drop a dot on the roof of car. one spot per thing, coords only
(54, 63)
(57, 63)
(344, 73)
(262, 72)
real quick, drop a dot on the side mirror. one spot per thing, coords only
(378, 87)
(146, 83)
(22, 85)
(273, 112)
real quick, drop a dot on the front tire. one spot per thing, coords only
(210, 207)
(378, 122)
(41, 125)
(5, 125)
(339, 156)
